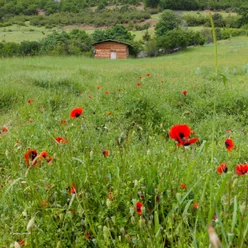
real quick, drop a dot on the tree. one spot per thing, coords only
(146, 37)
(243, 12)
(152, 3)
(118, 32)
(168, 21)
(173, 39)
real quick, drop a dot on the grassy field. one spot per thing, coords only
(119, 180)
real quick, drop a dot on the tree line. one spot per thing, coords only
(31, 7)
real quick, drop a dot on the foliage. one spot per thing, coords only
(179, 4)
(118, 32)
(152, 3)
(168, 21)
(76, 42)
(173, 39)
(243, 12)
(195, 20)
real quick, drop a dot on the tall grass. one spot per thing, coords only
(144, 164)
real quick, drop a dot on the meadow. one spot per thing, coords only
(113, 176)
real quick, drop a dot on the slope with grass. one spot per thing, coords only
(119, 180)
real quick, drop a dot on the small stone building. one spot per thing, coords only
(111, 49)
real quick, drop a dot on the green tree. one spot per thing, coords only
(168, 21)
(152, 3)
(173, 39)
(118, 32)
(243, 12)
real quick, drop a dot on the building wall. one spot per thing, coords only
(103, 50)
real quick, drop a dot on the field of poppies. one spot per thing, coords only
(131, 153)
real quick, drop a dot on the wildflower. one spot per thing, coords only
(183, 186)
(44, 204)
(105, 153)
(61, 140)
(181, 134)
(241, 169)
(229, 131)
(229, 144)
(63, 122)
(148, 74)
(31, 155)
(44, 155)
(76, 112)
(30, 121)
(185, 92)
(196, 205)
(138, 84)
(29, 101)
(139, 206)
(21, 242)
(87, 235)
(109, 113)
(140, 77)
(110, 195)
(89, 97)
(107, 93)
(222, 168)
(72, 190)
(5, 129)
(99, 87)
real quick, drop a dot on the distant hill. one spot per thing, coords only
(34, 7)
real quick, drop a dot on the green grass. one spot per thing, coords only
(16, 33)
(144, 163)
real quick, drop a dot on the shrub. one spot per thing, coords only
(174, 39)
(195, 20)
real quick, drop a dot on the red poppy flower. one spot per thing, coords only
(185, 92)
(183, 186)
(29, 101)
(148, 74)
(44, 155)
(5, 129)
(107, 93)
(76, 112)
(31, 155)
(241, 169)
(139, 206)
(222, 168)
(105, 153)
(228, 131)
(196, 205)
(229, 144)
(44, 203)
(63, 122)
(138, 84)
(73, 189)
(61, 140)
(21, 242)
(181, 134)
